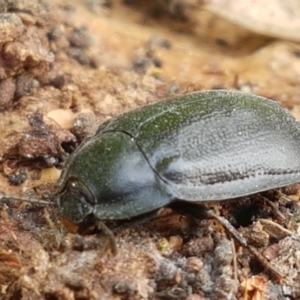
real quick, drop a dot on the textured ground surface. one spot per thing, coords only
(66, 67)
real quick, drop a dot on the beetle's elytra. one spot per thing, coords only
(203, 146)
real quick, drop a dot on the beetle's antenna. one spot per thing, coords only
(24, 199)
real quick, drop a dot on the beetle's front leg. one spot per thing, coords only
(100, 226)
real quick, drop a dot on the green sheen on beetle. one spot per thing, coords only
(204, 146)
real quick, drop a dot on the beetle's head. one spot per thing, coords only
(75, 202)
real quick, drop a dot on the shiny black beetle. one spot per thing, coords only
(181, 152)
(203, 146)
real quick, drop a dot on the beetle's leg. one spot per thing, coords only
(100, 226)
(136, 220)
(240, 239)
(193, 210)
(109, 234)
(275, 210)
(201, 212)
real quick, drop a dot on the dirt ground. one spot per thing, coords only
(67, 66)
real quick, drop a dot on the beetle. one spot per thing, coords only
(203, 146)
(181, 152)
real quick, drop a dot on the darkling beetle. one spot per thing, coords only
(199, 147)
